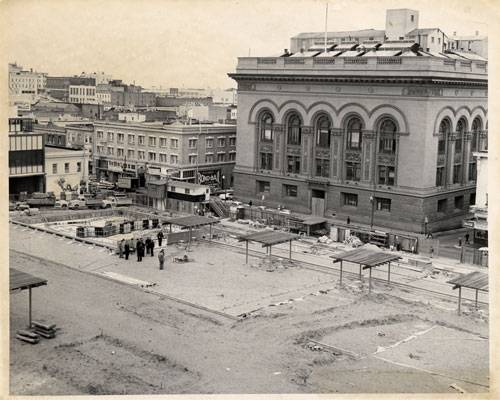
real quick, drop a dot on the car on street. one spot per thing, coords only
(226, 196)
(77, 204)
(60, 204)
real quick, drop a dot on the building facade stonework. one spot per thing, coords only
(386, 141)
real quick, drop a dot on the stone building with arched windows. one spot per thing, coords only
(381, 133)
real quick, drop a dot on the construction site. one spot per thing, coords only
(239, 307)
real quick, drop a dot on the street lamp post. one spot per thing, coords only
(224, 187)
(372, 201)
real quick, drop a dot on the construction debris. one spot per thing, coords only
(353, 241)
(44, 330)
(27, 336)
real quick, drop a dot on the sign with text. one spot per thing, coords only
(211, 177)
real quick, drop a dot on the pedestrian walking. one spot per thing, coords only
(140, 250)
(432, 251)
(148, 245)
(459, 242)
(161, 258)
(160, 238)
(348, 220)
(121, 243)
(151, 247)
(467, 238)
(127, 248)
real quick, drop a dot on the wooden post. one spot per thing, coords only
(170, 228)
(29, 308)
(290, 256)
(270, 251)
(360, 266)
(247, 252)
(370, 282)
(459, 298)
(210, 233)
(341, 272)
(476, 297)
(389, 273)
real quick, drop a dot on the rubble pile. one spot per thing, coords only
(353, 241)
(274, 264)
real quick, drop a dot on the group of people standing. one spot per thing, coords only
(125, 246)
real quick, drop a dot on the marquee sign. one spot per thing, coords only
(210, 177)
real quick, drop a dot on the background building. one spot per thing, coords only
(392, 147)
(64, 168)
(26, 158)
(400, 24)
(198, 153)
(82, 94)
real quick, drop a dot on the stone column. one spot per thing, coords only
(466, 158)
(279, 147)
(336, 155)
(307, 147)
(367, 156)
(450, 157)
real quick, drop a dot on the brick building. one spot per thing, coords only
(191, 153)
(380, 132)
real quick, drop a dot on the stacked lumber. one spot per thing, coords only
(27, 336)
(45, 330)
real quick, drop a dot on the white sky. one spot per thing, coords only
(193, 43)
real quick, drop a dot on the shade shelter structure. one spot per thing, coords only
(477, 281)
(268, 239)
(310, 223)
(21, 281)
(192, 221)
(367, 259)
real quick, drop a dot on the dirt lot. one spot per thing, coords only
(118, 339)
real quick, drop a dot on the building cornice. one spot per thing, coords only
(242, 77)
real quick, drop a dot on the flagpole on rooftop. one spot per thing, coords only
(326, 25)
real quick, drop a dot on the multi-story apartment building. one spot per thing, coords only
(201, 153)
(103, 94)
(381, 133)
(25, 82)
(82, 94)
(26, 157)
(25, 86)
(58, 86)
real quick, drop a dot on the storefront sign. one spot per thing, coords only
(209, 177)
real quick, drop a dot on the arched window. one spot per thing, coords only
(460, 131)
(387, 136)
(266, 127)
(354, 131)
(387, 144)
(294, 130)
(323, 130)
(476, 130)
(444, 130)
(474, 146)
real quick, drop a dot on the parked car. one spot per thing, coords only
(61, 204)
(21, 206)
(119, 201)
(12, 206)
(226, 196)
(31, 211)
(77, 204)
